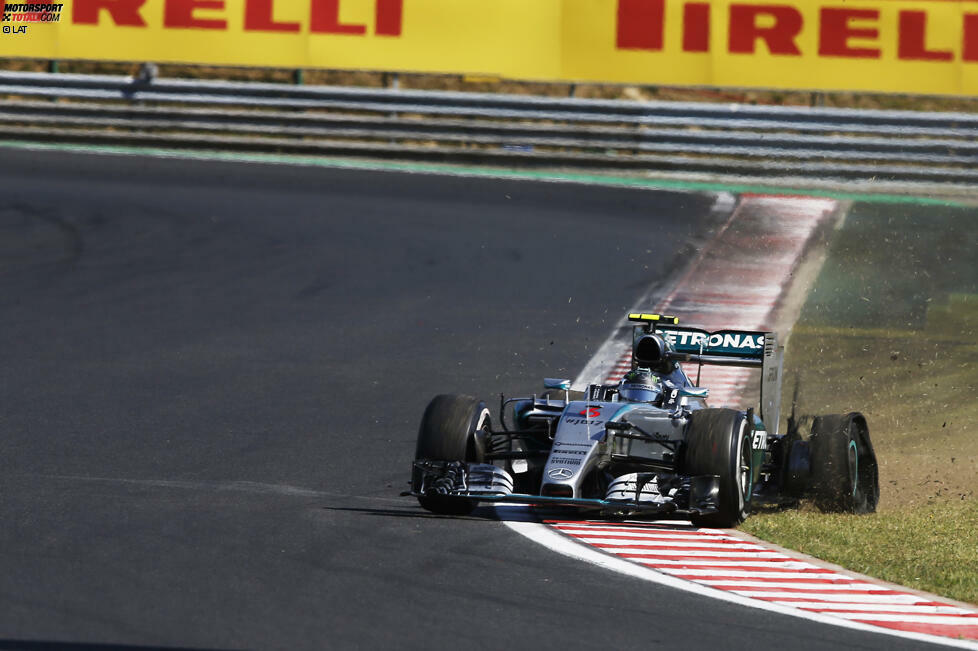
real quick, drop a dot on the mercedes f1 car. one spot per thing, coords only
(648, 446)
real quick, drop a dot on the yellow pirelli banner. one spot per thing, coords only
(908, 46)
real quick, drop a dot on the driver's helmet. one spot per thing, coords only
(640, 385)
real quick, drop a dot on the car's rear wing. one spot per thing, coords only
(750, 348)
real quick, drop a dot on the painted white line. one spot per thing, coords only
(863, 608)
(652, 542)
(787, 565)
(683, 553)
(667, 530)
(943, 620)
(684, 526)
(764, 586)
(679, 536)
(704, 556)
(804, 578)
(835, 597)
(650, 546)
(599, 539)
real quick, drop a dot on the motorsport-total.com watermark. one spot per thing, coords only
(17, 15)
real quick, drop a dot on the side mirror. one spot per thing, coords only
(554, 383)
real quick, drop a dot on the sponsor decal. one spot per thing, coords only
(671, 400)
(572, 445)
(846, 32)
(316, 16)
(588, 414)
(718, 340)
(560, 473)
(583, 421)
(729, 342)
(637, 385)
(569, 462)
(917, 46)
(759, 442)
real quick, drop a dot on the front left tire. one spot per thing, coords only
(449, 432)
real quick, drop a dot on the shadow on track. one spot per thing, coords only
(482, 513)
(517, 513)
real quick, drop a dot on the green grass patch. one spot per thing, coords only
(891, 330)
(930, 549)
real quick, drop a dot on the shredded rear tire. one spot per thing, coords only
(845, 476)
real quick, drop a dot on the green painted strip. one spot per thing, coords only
(475, 171)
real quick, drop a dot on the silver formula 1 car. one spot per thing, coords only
(648, 446)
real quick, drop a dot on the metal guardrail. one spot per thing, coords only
(761, 141)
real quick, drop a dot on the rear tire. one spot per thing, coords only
(718, 442)
(448, 433)
(845, 476)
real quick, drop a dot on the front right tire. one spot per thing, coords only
(718, 442)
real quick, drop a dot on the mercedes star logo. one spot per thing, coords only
(560, 473)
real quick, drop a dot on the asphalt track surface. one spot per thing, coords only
(212, 376)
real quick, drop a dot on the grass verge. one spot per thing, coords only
(929, 549)
(890, 330)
